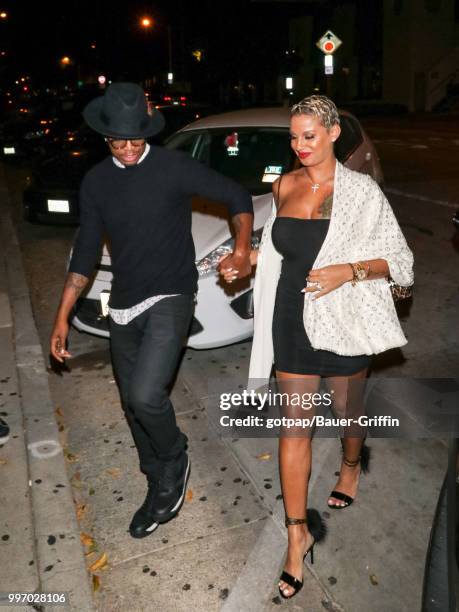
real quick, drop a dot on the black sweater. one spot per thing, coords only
(145, 212)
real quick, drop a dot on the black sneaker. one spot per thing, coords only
(169, 495)
(4, 432)
(143, 522)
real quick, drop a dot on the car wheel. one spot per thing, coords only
(441, 570)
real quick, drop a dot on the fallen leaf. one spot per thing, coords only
(75, 480)
(86, 539)
(3, 461)
(264, 457)
(373, 580)
(95, 583)
(114, 472)
(71, 458)
(89, 554)
(59, 411)
(99, 564)
(189, 495)
(81, 511)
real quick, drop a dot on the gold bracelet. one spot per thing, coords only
(369, 269)
(360, 273)
(354, 274)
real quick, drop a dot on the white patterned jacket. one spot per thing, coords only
(351, 320)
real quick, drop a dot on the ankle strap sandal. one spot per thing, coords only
(316, 525)
(294, 521)
(318, 530)
(364, 460)
(350, 463)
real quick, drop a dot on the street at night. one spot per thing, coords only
(69, 472)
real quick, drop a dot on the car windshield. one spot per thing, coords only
(254, 157)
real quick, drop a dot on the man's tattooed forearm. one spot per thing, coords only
(77, 282)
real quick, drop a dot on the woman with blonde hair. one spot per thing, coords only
(323, 306)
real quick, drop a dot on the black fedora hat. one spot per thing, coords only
(122, 113)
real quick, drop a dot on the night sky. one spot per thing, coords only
(241, 39)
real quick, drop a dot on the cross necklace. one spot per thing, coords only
(315, 186)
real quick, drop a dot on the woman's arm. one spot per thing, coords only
(327, 279)
(373, 268)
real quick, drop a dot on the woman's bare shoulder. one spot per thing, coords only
(286, 179)
(293, 175)
(283, 185)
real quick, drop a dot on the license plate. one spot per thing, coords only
(59, 206)
(9, 150)
(271, 173)
(104, 297)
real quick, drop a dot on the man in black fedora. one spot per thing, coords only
(140, 198)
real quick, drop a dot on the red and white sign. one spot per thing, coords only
(329, 42)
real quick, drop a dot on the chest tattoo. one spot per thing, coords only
(325, 208)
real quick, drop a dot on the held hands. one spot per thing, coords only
(327, 279)
(234, 266)
(59, 340)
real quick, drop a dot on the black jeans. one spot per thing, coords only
(145, 354)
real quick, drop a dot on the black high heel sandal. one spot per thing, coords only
(364, 460)
(318, 530)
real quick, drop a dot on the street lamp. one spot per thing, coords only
(65, 61)
(147, 23)
(3, 15)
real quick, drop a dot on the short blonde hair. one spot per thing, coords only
(319, 106)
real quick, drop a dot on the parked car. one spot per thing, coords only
(441, 574)
(38, 133)
(252, 147)
(51, 195)
(178, 116)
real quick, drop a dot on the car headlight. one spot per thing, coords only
(208, 264)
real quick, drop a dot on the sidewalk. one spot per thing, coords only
(374, 555)
(225, 549)
(16, 529)
(40, 545)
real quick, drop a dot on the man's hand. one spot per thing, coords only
(235, 265)
(74, 285)
(230, 274)
(59, 341)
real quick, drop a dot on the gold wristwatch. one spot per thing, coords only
(359, 271)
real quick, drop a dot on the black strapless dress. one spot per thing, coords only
(299, 242)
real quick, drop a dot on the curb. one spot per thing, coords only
(60, 560)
